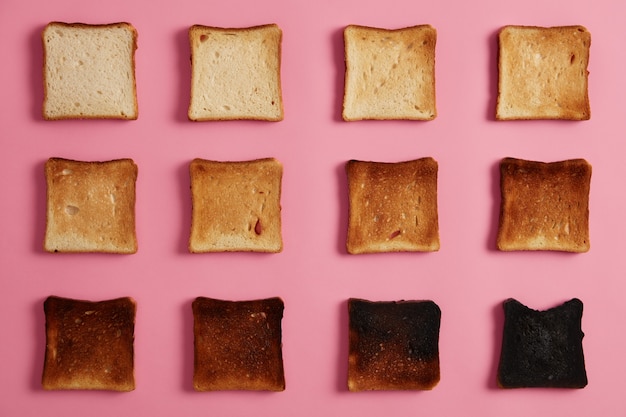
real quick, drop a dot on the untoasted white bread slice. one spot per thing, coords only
(236, 206)
(90, 206)
(543, 73)
(89, 71)
(390, 74)
(235, 73)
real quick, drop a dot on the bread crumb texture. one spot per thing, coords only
(390, 74)
(235, 73)
(90, 206)
(89, 71)
(543, 73)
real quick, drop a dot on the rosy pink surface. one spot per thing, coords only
(467, 278)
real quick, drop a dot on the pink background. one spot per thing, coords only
(467, 278)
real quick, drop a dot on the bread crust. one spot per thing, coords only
(90, 206)
(91, 97)
(393, 206)
(89, 344)
(543, 73)
(544, 205)
(238, 345)
(390, 73)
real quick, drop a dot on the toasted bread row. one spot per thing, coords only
(392, 345)
(89, 72)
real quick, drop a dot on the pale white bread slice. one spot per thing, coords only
(236, 206)
(235, 73)
(90, 206)
(543, 73)
(544, 205)
(392, 206)
(89, 71)
(390, 74)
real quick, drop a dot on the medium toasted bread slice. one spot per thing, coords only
(238, 345)
(544, 206)
(393, 206)
(236, 206)
(390, 74)
(235, 73)
(90, 206)
(393, 345)
(89, 344)
(89, 71)
(543, 73)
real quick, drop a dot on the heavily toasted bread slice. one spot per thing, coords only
(238, 345)
(543, 73)
(89, 71)
(236, 206)
(544, 206)
(90, 206)
(393, 206)
(393, 345)
(390, 74)
(235, 73)
(89, 344)
(542, 348)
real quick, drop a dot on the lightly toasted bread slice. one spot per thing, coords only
(390, 74)
(89, 71)
(236, 73)
(90, 206)
(543, 73)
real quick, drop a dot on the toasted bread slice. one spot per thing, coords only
(238, 345)
(236, 206)
(90, 206)
(393, 206)
(390, 74)
(89, 344)
(543, 73)
(544, 206)
(89, 71)
(542, 348)
(393, 345)
(235, 73)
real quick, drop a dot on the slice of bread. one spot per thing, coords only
(235, 206)
(393, 345)
(235, 73)
(238, 345)
(90, 206)
(544, 206)
(392, 206)
(543, 73)
(89, 71)
(390, 74)
(542, 348)
(89, 344)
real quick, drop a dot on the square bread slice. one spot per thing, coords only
(238, 345)
(393, 345)
(89, 344)
(89, 71)
(235, 73)
(90, 206)
(542, 348)
(392, 206)
(543, 73)
(236, 206)
(544, 205)
(390, 74)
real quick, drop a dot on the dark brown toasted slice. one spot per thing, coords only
(238, 345)
(544, 206)
(89, 344)
(393, 345)
(542, 348)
